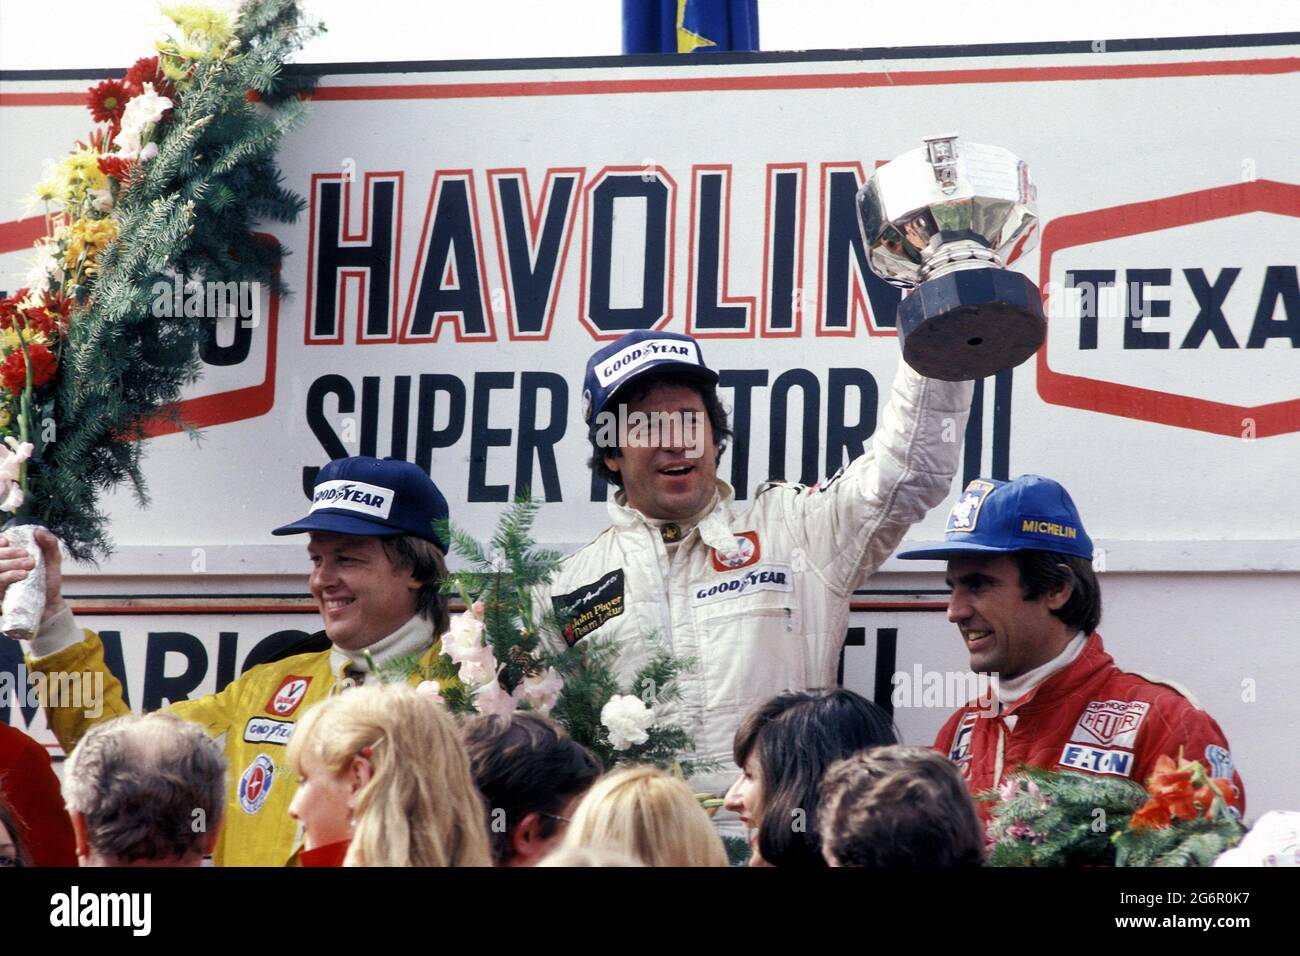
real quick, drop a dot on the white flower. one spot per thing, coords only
(101, 199)
(139, 116)
(10, 459)
(432, 688)
(492, 698)
(45, 269)
(464, 639)
(479, 667)
(540, 691)
(627, 719)
(149, 151)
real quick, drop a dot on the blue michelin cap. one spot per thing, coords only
(1030, 513)
(377, 497)
(634, 355)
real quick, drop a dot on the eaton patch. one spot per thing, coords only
(1113, 763)
(267, 730)
(769, 577)
(255, 784)
(1112, 723)
(591, 605)
(288, 696)
(745, 553)
(965, 513)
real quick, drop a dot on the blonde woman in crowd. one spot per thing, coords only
(648, 815)
(383, 780)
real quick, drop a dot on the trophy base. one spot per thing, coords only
(970, 324)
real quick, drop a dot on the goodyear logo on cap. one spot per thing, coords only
(371, 500)
(1047, 528)
(966, 512)
(625, 361)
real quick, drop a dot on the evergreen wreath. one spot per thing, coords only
(169, 184)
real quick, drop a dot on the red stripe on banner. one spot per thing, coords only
(21, 233)
(898, 606)
(816, 81)
(43, 99)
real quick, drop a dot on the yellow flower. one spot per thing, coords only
(86, 237)
(204, 33)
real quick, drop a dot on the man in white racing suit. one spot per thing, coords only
(759, 599)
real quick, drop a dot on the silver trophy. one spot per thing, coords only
(945, 219)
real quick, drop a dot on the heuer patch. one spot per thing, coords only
(1111, 723)
(590, 606)
(764, 577)
(288, 695)
(959, 752)
(255, 784)
(1114, 763)
(744, 553)
(267, 730)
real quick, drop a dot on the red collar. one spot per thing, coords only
(331, 854)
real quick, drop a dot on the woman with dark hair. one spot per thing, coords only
(11, 846)
(783, 748)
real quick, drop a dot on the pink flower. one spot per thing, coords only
(465, 639)
(492, 698)
(11, 459)
(433, 689)
(1009, 790)
(540, 691)
(479, 667)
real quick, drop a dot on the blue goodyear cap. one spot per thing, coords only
(371, 496)
(634, 355)
(1030, 513)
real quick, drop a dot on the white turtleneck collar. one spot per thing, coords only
(712, 520)
(1010, 691)
(413, 637)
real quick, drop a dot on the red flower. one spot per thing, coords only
(117, 167)
(14, 370)
(9, 308)
(146, 70)
(107, 101)
(1180, 790)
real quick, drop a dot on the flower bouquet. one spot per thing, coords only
(170, 182)
(1048, 818)
(494, 659)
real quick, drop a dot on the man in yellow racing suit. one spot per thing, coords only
(376, 566)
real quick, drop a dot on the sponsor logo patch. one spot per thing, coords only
(745, 553)
(288, 696)
(267, 730)
(1220, 761)
(255, 784)
(768, 577)
(960, 751)
(622, 363)
(1112, 723)
(373, 501)
(1114, 763)
(965, 513)
(591, 605)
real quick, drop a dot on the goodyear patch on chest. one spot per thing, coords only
(763, 577)
(591, 605)
(266, 730)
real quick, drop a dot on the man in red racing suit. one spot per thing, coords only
(1027, 602)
